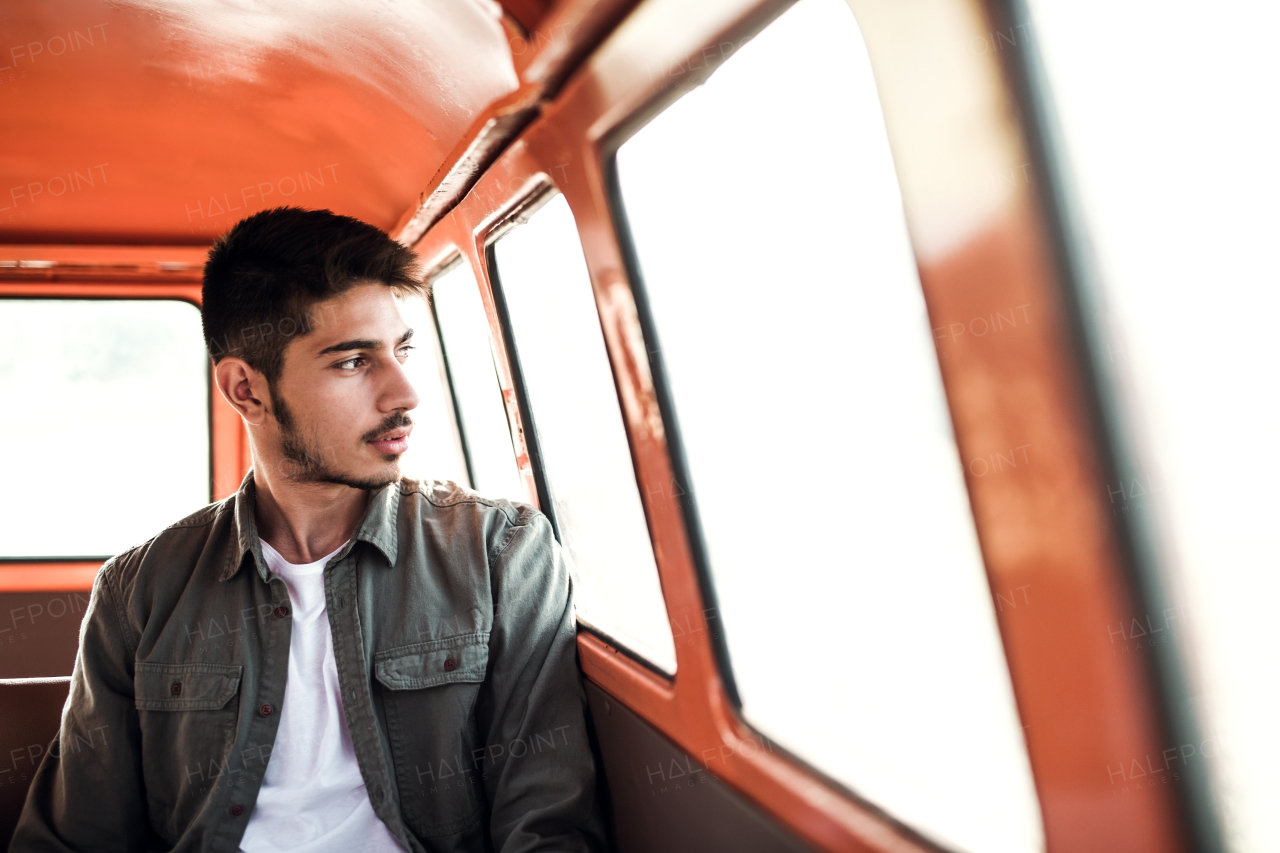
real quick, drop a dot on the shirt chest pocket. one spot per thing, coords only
(188, 715)
(429, 693)
(184, 686)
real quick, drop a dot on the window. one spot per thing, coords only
(1177, 188)
(477, 393)
(586, 461)
(435, 451)
(789, 329)
(104, 431)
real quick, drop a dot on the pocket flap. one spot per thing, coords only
(184, 686)
(463, 658)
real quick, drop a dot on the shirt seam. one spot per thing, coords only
(511, 534)
(122, 623)
(477, 638)
(463, 498)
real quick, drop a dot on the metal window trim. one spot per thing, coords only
(1080, 280)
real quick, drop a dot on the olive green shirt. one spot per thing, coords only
(453, 635)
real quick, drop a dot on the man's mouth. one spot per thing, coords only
(393, 441)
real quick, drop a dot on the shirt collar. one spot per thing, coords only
(377, 527)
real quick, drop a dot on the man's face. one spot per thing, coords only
(343, 397)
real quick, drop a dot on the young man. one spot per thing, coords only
(335, 658)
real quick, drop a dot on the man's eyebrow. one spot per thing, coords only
(347, 346)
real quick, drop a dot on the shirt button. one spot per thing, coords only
(176, 688)
(281, 612)
(266, 710)
(237, 810)
(450, 665)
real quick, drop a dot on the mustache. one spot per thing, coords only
(399, 419)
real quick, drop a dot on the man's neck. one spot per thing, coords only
(305, 521)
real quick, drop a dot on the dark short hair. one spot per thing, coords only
(264, 275)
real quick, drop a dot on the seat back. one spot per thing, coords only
(30, 715)
(40, 633)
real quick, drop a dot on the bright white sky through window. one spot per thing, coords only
(435, 451)
(464, 330)
(1170, 119)
(585, 457)
(109, 426)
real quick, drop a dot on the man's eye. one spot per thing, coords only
(351, 363)
(404, 351)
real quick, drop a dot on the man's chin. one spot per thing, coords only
(369, 481)
(368, 484)
(383, 475)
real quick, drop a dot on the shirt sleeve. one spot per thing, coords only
(88, 792)
(541, 781)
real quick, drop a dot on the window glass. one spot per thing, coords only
(586, 460)
(104, 429)
(1178, 188)
(477, 393)
(794, 341)
(435, 450)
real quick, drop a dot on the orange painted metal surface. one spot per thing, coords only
(1051, 552)
(526, 13)
(566, 32)
(48, 577)
(101, 264)
(150, 121)
(153, 122)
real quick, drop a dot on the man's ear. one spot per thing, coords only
(244, 388)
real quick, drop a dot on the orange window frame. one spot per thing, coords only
(1081, 705)
(89, 272)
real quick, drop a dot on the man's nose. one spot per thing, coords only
(399, 393)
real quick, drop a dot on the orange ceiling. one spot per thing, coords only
(165, 121)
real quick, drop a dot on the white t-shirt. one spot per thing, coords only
(313, 797)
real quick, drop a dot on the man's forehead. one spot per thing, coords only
(367, 312)
(361, 298)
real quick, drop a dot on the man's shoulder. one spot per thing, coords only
(180, 544)
(459, 509)
(429, 497)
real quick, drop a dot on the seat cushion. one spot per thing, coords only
(30, 714)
